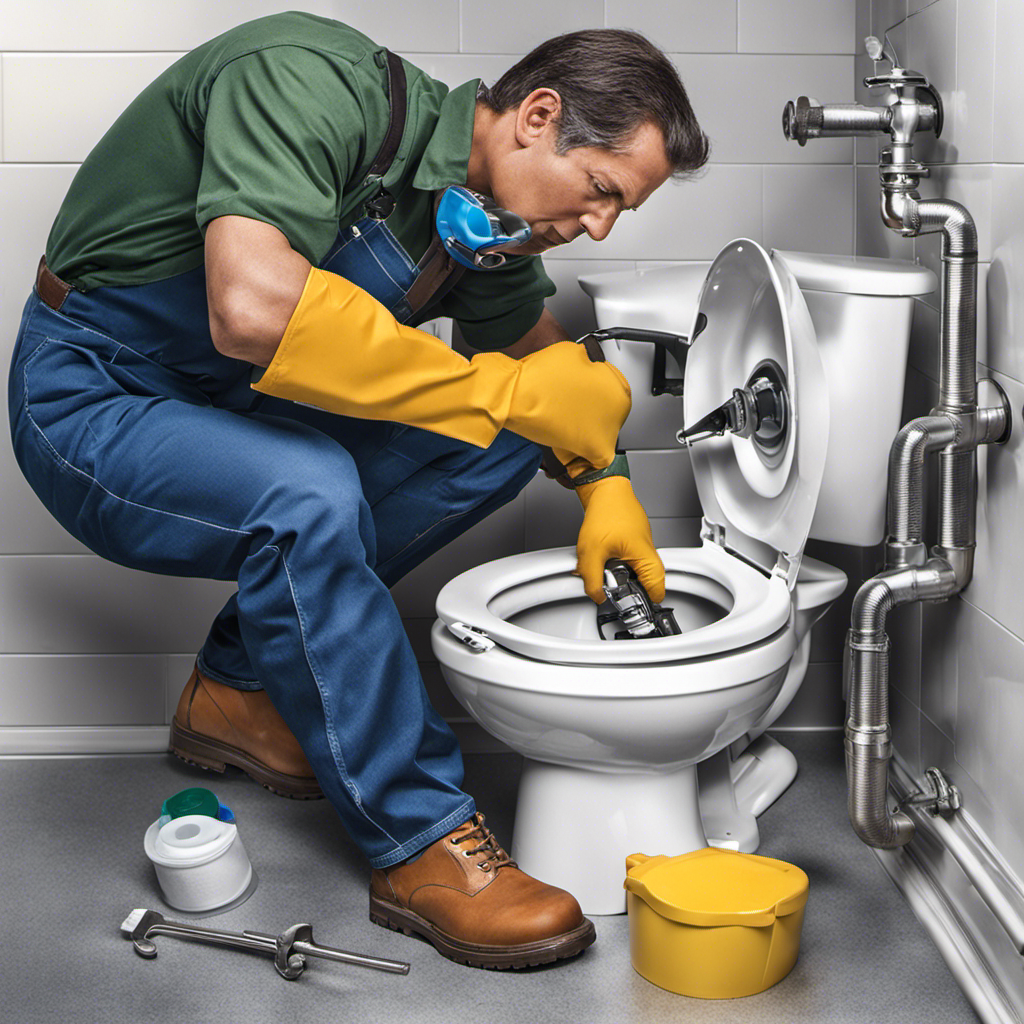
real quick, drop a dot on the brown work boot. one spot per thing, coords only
(473, 903)
(217, 725)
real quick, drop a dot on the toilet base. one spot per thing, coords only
(574, 827)
(734, 791)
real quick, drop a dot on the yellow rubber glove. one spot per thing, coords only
(344, 352)
(614, 526)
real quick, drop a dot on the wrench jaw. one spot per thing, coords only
(288, 964)
(138, 931)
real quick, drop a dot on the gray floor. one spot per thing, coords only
(72, 866)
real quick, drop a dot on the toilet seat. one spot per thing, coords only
(756, 606)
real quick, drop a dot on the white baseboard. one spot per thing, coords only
(46, 741)
(976, 945)
(41, 741)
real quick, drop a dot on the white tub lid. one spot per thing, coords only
(858, 275)
(188, 841)
(757, 501)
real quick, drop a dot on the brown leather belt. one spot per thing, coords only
(52, 290)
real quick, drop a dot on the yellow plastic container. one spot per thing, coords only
(714, 923)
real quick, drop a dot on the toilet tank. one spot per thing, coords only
(861, 308)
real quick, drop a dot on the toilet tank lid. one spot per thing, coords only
(858, 275)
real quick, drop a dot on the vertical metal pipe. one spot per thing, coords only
(958, 340)
(958, 486)
(906, 490)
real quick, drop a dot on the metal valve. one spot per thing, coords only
(759, 410)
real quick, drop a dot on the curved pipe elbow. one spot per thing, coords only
(880, 594)
(954, 221)
(920, 436)
(899, 212)
(882, 830)
(877, 596)
(908, 214)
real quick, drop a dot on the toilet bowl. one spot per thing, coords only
(611, 732)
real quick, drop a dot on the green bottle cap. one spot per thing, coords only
(191, 801)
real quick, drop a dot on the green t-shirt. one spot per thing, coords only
(279, 119)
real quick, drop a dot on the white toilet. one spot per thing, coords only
(611, 731)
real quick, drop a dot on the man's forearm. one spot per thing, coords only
(547, 331)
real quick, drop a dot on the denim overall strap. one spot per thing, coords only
(368, 254)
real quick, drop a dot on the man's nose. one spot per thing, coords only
(598, 223)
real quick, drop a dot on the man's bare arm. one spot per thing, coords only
(545, 332)
(254, 279)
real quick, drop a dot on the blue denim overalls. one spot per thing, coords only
(151, 448)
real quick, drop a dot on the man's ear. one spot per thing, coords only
(537, 115)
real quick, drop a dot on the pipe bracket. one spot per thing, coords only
(945, 798)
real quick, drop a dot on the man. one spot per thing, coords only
(271, 201)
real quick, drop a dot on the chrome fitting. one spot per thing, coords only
(944, 798)
(901, 553)
(960, 562)
(995, 422)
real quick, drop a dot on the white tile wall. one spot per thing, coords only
(970, 133)
(739, 101)
(931, 49)
(813, 26)
(1005, 285)
(55, 25)
(82, 604)
(47, 690)
(809, 209)
(940, 647)
(493, 26)
(127, 640)
(687, 26)
(990, 708)
(905, 722)
(1008, 74)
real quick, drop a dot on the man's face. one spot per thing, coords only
(584, 190)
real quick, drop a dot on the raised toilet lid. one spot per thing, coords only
(758, 499)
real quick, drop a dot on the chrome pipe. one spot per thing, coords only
(954, 429)
(807, 119)
(905, 541)
(868, 740)
(958, 377)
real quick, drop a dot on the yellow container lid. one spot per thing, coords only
(710, 887)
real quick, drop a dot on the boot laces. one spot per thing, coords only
(494, 856)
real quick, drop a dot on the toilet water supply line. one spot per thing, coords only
(953, 429)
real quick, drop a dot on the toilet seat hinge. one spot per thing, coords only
(788, 568)
(472, 636)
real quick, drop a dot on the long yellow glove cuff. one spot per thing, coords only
(614, 526)
(344, 352)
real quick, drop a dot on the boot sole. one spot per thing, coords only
(528, 954)
(212, 755)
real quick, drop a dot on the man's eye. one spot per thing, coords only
(598, 187)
